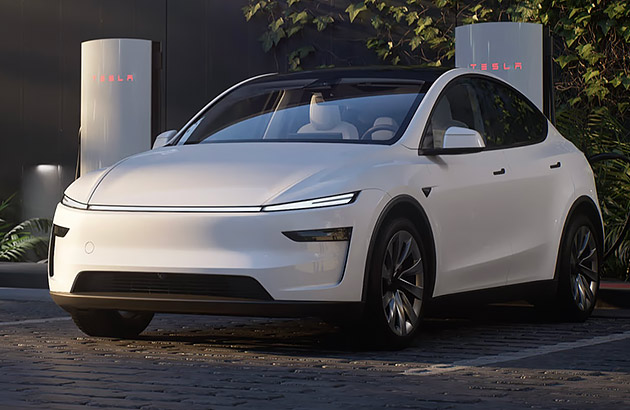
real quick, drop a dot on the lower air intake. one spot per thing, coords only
(221, 286)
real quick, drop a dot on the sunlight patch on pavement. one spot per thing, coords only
(507, 357)
(35, 321)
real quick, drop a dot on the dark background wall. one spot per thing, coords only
(207, 46)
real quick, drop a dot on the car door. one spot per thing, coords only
(516, 126)
(465, 202)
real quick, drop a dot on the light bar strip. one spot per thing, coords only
(342, 199)
(313, 203)
(67, 201)
(175, 208)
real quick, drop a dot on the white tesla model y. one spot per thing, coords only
(369, 192)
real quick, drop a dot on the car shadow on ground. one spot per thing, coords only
(312, 334)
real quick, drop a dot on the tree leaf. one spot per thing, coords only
(301, 17)
(590, 74)
(267, 41)
(322, 22)
(415, 42)
(355, 9)
(292, 30)
(565, 59)
(606, 25)
(276, 25)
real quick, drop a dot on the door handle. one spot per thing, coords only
(499, 172)
(556, 165)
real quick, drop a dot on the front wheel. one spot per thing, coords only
(397, 282)
(111, 323)
(579, 269)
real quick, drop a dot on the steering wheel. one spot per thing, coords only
(383, 127)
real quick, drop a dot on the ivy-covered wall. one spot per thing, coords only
(592, 37)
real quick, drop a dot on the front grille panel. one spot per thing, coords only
(225, 286)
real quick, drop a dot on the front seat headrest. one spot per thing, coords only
(323, 116)
(383, 135)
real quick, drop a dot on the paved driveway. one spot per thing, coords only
(503, 357)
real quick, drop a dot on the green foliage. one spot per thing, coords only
(411, 32)
(596, 133)
(354, 10)
(296, 57)
(592, 44)
(321, 22)
(594, 51)
(17, 240)
(286, 19)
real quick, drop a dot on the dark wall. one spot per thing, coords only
(40, 67)
(207, 46)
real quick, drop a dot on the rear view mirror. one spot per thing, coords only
(460, 137)
(163, 139)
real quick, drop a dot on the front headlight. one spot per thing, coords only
(69, 202)
(334, 200)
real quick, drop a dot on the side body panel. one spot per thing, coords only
(470, 223)
(543, 173)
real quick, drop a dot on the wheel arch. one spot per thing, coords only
(583, 205)
(586, 206)
(403, 206)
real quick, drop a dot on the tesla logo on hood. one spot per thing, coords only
(497, 66)
(113, 78)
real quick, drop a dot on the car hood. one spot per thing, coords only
(230, 174)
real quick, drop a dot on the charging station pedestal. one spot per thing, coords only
(519, 53)
(118, 97)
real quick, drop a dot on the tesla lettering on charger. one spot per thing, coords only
(496, 66)
(113, 78)
(512, 51)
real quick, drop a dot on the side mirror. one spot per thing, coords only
(457, 140)
(163, 139)
(460, 137)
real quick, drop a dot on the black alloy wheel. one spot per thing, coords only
(397, 288)
(579, 269)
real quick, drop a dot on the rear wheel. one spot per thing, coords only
(397, 283)
(111, 323)
(579, 269)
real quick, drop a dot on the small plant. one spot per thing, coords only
(26, 239)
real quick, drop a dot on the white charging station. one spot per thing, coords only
(116, 100)
(519, 53)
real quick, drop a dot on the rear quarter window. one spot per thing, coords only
(509, 119)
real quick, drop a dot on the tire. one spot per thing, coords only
(579, 268)
(111, 323)
(397, 289)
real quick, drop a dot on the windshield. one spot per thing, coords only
(353, 110)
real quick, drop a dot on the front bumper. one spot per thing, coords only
(230, 244)
(183, 304)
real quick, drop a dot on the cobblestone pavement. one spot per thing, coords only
(503, 357)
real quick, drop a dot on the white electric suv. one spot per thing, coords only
(367, 191)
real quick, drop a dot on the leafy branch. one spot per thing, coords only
(17, 240)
